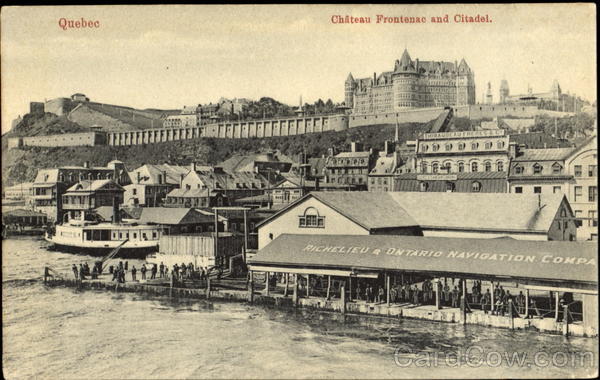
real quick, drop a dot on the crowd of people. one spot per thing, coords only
(178, 272)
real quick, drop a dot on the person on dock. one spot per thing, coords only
(380, 294)
(143, 270)
(446, 293)
(86, 269)
(487, 299)
(75, 271)
(161, 270)
(521, 302)
(115, 273)
(122, 276)
(126, 266)
(133, 273)
(175, 271)
(153, 272)
(455, 296)
(95, 272)
(416, 297)
(81, 272)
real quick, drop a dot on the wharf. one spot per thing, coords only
(232, 290)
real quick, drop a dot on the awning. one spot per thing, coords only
(553, 261)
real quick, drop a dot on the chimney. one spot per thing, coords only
(317, 184)
(193, 166)
(181, 176)
(164, 177)
(353, 147)
(115, 214)
(138, 176)
(86, 164)
(374, 78)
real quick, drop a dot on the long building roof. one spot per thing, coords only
(553, 261)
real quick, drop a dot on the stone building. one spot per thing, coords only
(412, 84)
(582, 193)
(150, 184)
(351, 168)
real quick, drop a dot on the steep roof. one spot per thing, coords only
(384, 165)
(370, 210)
(46, 176)
(172, 216)
(89, 186)
(481, 211)
(544, 154)
(465, 211)
(149, 173)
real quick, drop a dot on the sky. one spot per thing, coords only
(169, 56)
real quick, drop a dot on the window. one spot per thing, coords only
(474, 146)
(434, 167)
(592, 171)
(435, 147)
(593, 218)
(449, 187)
(474, 167)
(500, 144)
(134, 191)
(424, 167)
(556, 168)
(578, 193)
(488, 145)
(519, 190)
(423, 186)
(448, 146)
(311, 219)
(537, 189)
(461, 146)
(518, 169)
(488, 166)
(500, 166)
(476, 187)
(577, 170)
(461, 167)
(556, 189)
(592, 193)
(537, 169)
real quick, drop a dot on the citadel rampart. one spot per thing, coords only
(290, 126)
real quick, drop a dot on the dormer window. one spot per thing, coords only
(518, 169)
(556, 168)
(537, 169)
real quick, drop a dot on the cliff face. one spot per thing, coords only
(21, 165)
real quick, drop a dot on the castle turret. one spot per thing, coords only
(504, 91)
(489, 98)
(349, 91)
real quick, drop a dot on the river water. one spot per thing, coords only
(66, 333)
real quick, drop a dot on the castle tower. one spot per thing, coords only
(349, 91)
(555, 90)
(489, 98)
(504, 91)
(405, 80)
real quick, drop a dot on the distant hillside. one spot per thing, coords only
(46, 124)
(22, 164)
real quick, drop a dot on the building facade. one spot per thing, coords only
(412, 84)
(540, 171)
(351, 168)
(50, 184)
(582, 192)
(81, 198)
(150, 184)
